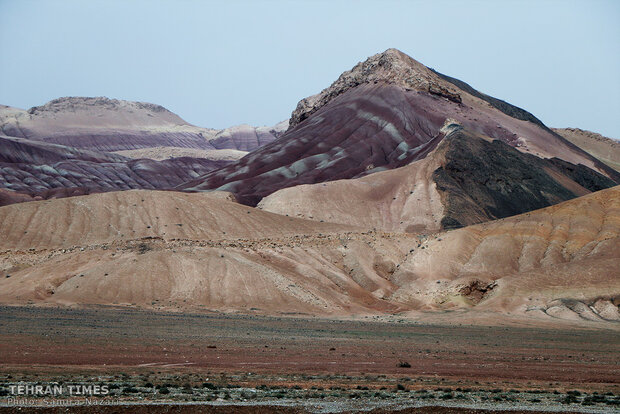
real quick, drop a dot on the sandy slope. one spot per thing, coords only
(603, 148)
(563, 260)
(135, 214)
(164, 153)
(168, 250)
(103, 124)
(403, 199)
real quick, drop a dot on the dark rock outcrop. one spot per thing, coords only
(484, 180)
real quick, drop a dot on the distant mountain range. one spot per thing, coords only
(75, 145)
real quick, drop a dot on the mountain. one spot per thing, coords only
(467, 179)
(605, 149)
(247, 138)
(74, 146)
(43, 170)
(170, 250)
(109, 125)
(103, 124)
(385, 113)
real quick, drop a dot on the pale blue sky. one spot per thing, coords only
(218, 64)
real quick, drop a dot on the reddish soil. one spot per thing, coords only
(205, 409)
(107, 340)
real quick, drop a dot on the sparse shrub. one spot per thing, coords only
(569, 399)
(615, 401)
(164, 390)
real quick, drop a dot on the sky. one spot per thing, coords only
(224, 63)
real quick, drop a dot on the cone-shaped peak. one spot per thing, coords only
(391, 66)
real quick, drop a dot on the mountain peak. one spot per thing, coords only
(391, 66)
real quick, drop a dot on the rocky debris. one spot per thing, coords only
(476, 290)
(444, 92)
(391, 66)
(567, 132)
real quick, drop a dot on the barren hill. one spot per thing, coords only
(603, 148)
(105, 124)
(37, 168)
(74, 146)
(562, 261)
(168, 250)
